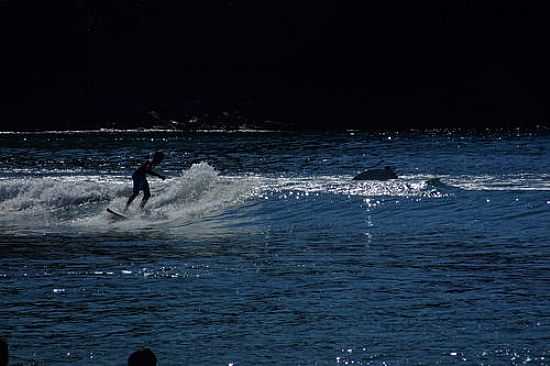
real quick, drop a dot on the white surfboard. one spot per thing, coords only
(117, 215)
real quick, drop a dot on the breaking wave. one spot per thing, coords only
(81, 201)
(199, 194)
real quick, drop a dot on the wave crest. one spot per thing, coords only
(82, 200)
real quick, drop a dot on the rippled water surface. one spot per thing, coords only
(260, 249)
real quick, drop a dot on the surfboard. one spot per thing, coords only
(117, 215)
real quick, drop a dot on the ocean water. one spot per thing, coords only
(260, 249)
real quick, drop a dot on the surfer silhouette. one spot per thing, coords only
(140, 179)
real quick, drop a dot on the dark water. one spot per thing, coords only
(261, 250)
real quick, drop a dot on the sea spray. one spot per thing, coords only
(198, 191)
(51, 193)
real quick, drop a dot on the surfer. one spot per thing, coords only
(140, 180)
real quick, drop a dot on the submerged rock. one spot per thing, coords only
(377, 174)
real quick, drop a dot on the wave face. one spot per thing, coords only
(260, 249)
(80, 202)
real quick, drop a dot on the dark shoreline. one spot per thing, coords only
(516, 130)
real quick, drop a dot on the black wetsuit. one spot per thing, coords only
(140, 180)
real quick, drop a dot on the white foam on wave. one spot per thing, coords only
(344, 185)
(197, 193)
(79, 202)
(512, 182)
(51, 193)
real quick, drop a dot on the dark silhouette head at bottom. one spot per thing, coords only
(4, 355)
(142, 357)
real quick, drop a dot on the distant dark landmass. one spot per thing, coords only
(284, 65)
(280, 113)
